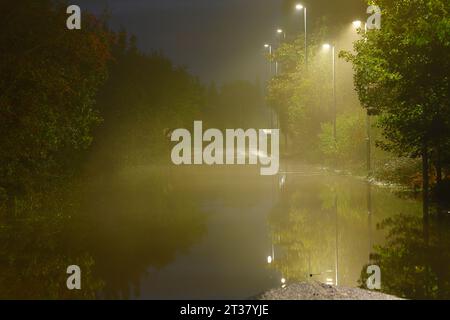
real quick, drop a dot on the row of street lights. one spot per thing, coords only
(357, 24)
(282, 33)
(327, 46)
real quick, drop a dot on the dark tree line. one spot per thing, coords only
(144, 97)
(66, 94)
(76, 98)
(236, 104)
(49, 80)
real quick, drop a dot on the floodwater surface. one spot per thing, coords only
(222, 233)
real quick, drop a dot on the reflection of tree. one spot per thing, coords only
(317, 218)
(35, 251)
(135, 225)
(115, 230)
(416, 258)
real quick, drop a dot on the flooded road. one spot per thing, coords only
(224, 233)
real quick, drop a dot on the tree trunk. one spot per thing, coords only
(438, 166)
(425, 179)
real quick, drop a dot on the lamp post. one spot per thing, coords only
(333, 50)
(282, 35)
(300, 7)
(357, 24)
(269, 47)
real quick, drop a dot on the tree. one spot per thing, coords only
(415, 257)
(144, 97)
(299, 94)
(50, 76)
(401, 74)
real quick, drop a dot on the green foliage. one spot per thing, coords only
(142, 228)
(49, 79)
(144, 97)
(401, 74)
(302, 96)
(36, 245)
(349, 148)
(58, 86)
(317, 216)
(405, 171)
(414, 261)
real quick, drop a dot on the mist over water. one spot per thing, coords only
(87, 175)
(167, 232)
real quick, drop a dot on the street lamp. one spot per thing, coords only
(327, 47)
(281, 33)
(357, 24)
(269, 47)
(300, 7)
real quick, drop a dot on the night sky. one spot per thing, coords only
(217, 40)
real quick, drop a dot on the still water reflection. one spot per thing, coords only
(197, 233)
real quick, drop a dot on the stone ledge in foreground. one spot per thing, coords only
(319, 291)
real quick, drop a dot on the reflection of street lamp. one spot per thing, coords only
(300, 7)
(327, 47)
(329, 280)
(271, 258)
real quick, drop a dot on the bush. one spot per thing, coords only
(349, 148)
